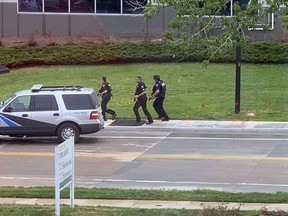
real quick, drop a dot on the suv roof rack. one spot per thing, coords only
(40, 87)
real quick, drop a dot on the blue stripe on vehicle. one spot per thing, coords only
(8, 122)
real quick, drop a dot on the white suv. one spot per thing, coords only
(62, 111)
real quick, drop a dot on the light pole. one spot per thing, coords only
(238, 72)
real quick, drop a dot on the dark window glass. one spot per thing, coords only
(78, 102)
(45, 103)
(56, 6)
(133, 6)
(30, 5)
(82, 6)
(95, 100)
(226, 11)
(201, 3)
(243, 4)
(108, 6)
(20, 104)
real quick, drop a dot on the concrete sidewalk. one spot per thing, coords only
(148, 204)
(196, 125)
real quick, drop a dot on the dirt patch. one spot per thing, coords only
(80, 39)
(127, 122)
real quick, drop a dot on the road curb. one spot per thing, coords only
(252, 130)
(187, 126)
(202, 129)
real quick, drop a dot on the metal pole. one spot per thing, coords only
(238, 74)
(2, 20)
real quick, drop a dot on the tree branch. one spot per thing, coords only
(136, 4)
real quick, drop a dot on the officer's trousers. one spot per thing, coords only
(104, 103)
(158, 106)
(142, 102)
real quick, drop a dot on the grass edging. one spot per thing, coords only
(132, 194)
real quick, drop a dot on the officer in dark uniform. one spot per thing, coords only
(141, 101)
(159, 92)
(105, 93)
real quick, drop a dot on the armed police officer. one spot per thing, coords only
(159, 92)
(141, 101)
(105, 93)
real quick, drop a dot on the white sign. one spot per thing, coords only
(64, 171)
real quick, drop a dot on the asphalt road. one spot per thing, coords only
(155, 158)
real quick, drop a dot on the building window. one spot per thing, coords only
(56, 6)
(243, 3)
(133, 6)
(30, 6)
(227, 10)
(82, 6)
(108, 6)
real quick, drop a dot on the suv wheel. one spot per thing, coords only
(67, 130)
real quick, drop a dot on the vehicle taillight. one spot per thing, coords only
(94, 115)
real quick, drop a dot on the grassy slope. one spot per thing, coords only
(172, 195)
(13, 210)
(193, 92)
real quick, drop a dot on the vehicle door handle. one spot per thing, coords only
(25, 115)
(56, 114)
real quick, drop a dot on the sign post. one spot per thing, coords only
(64, 171)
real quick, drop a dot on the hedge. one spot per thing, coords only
(84, 54)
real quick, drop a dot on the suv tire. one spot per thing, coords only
(67, 130)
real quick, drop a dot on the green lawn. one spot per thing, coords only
(168, 195)
(193, 91)
(172, 195)
(17, 210)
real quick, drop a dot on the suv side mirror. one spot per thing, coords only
(8, 109)
(1, 103)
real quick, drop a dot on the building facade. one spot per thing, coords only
(117, 18)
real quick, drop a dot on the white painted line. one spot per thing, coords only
(1, 146)
(191, 138)
(151, 146)
(156, 182)
(9, 1)
(176, 138)
(264, 185)
(24, 178)
(97, 181)
(187, 182)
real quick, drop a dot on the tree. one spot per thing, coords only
(284, 18)
(215, 23)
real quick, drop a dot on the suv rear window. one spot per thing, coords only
(78, 102)
(95, 100)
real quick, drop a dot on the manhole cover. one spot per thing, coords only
(126, 122)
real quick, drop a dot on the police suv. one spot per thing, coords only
(62, 111)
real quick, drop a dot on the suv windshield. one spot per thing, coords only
(3, 103)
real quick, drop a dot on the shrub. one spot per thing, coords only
(222, 210)
(110, 53)
(31, 41)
